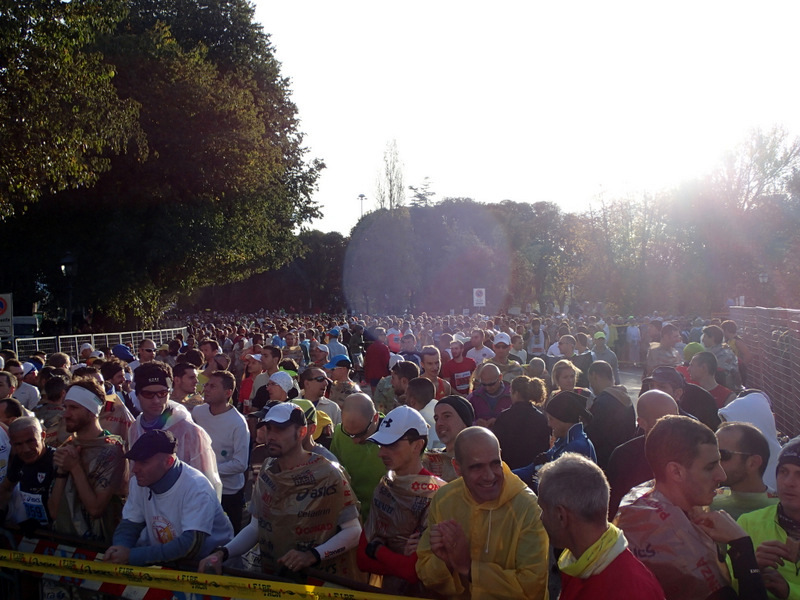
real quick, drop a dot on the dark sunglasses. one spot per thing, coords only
(150, 394)
(357, 435)
(148, 349)
(490, 383)
(319, 379)
(726, 455)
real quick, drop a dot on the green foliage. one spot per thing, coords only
(226, 184)
(59, 111)
(311, 282)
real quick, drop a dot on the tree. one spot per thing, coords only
(760, 166)
(390, 191)
(59, 111)
(223, 192)
(380, 269)
(422, 195)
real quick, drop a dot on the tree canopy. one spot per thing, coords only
(60, 114)
(223, 190)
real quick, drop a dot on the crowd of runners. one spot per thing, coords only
(458, 456)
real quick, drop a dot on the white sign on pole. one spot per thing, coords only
(6, 315)
(478, 297)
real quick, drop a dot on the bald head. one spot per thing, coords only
(360, 404)
(478, 462)
(653, 405)
(473, 436)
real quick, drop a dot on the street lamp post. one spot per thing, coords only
(362, 197)
(68, 269)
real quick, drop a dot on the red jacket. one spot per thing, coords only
(626, 578)
(376, 361)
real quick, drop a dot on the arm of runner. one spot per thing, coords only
(126, 533)
(246, 539)
(94, 501)
(186, 545)
(344, 540)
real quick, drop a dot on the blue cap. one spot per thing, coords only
(340, 360)
(335, 331)
(122, 352)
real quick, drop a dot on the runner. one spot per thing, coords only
(304, 512)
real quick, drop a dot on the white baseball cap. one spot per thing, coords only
(397, 423)
(502, 338)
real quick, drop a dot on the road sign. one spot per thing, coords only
(478, 297)
(6, 316)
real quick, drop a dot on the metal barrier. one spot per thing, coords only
(773, 335)
(71, 343)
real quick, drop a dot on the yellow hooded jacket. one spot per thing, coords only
(508, 543)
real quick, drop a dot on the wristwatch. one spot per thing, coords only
(224, 551)
(372, 549)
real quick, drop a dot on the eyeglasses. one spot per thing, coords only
(359, 434)
(151, 350)
(319, 379)
(490, 383)
(726, 455)
(150, 394)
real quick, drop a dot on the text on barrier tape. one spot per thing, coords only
(194, 583)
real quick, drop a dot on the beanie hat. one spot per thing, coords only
(462, 407)
(691, 349)
(790, 455)
(568, 407)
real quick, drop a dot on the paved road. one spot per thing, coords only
(631, 378)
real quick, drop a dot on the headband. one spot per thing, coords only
(85, 398)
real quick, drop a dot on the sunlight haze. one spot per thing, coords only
(529, 101)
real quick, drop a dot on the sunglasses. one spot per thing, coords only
(319, 379)
(726, 455)
(490, 383)
(150, 394)
(151, 350)
(357, 435)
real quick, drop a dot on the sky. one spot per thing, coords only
(530, 101)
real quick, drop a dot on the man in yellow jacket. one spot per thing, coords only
(485, 538)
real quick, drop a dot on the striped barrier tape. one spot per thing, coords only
(199, 584)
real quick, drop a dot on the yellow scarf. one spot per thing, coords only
(597, 557)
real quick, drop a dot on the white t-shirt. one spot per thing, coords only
(480, 354)
(230, 440)
(189, 505)
(28, 395)
(427, 414)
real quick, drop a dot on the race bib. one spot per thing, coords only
(34, 507)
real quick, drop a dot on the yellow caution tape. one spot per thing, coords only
(166, 579)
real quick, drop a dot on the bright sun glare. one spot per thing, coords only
(527, 102)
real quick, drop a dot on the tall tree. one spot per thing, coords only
(390, 191)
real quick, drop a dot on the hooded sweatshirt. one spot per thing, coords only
(507, 543)
(755, 408)
(194, 445)
(613, 422)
